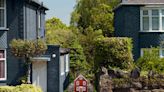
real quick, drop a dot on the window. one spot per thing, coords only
(157, 52)
(62, 72)
(162, 53)
(2, 65)
(39, 20)
(67, 62)
(152, 19)
(2, 14)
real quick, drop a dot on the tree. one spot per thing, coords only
(95, 13)
(59, 34)
(87, 40)
(27, 49)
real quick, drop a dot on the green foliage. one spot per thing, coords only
(95, 13)
(114, 52)
(151, 60)
(87, 40)
(67, 38)
(54, 23)
(27, 48)
(20, 88)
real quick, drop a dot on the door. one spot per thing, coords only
(39, 74)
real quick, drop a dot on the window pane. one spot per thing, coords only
(155, 12)
(2, 18)
(62, 64)
(2, 69)
(162, 12)
(1, 3)
(67, 62)
(162, 23)
(145, 12)
(145, 23)
(2, 54)
(155, 23)
(162, 52)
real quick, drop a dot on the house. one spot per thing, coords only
(143, 21)
(25, 19)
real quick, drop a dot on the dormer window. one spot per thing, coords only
(2, 14)
(152, 20)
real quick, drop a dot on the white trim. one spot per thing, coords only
(67, 62)
(160, 52)
(3, 79)
(62, 65)
(5, 15)
(141, 52)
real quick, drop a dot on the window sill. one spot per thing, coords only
(2, 79)
(4, 29)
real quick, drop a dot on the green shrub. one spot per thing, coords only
(6, 89)
(151, 61)
(20, 88)
(114, 52)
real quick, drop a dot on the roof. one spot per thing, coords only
(39, 4)
(64, 51)
(140, 2)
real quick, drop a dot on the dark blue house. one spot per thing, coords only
(143, 21)
(25, 19)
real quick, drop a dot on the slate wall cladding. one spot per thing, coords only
(14, 23)
(3, 39)
(127, 24)
(53, 74)
(30, 22)
(150, 39)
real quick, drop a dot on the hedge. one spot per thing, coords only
(114, 52)
(20, 88)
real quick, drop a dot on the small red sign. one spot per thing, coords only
(80, 84)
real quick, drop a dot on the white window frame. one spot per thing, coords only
(150, 18)
(160, 52)
(5, 16)
(3, 79)
(67, 62)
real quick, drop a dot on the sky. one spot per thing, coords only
(59, 8)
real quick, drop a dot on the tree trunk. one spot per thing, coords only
(28, 70)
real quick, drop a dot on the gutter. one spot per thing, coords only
(37, 3)
(137, 4)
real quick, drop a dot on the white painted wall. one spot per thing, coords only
(39, 74)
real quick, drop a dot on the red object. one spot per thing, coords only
(80, 84)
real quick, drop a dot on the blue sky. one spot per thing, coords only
(60, 8)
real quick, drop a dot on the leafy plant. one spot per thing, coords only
(20, 88)
(27, 49)
(114, 52)
(151, 60)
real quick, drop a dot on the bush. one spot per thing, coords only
(151, 61)
(114, 52)
(20, 88)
